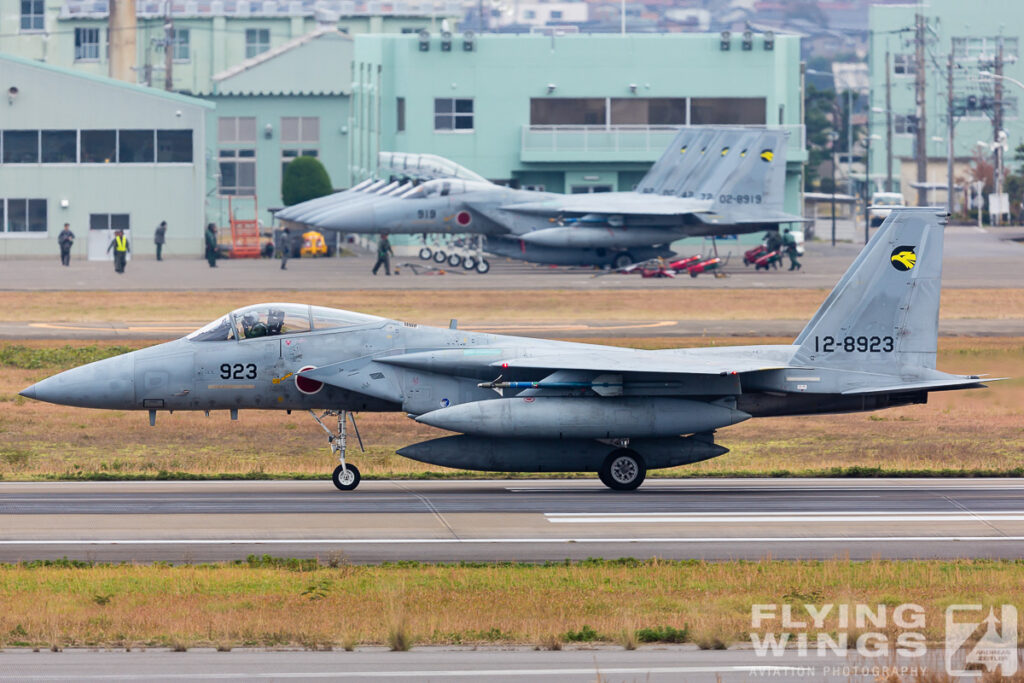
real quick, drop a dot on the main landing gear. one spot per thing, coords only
(623, 470)
(346, 477)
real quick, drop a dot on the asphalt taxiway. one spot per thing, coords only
(973, 258)
(519, 519)
(673, 663)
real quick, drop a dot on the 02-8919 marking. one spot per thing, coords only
(854, 344)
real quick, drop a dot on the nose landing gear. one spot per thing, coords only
(345, 477)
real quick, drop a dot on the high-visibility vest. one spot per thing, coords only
(121, 243)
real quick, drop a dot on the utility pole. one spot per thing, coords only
(922, 127)
(849, 140)
(888, 124)
(949, 133)
(997, 125)
(868, 187)
(168, 48)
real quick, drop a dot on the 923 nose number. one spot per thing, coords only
(854, 344)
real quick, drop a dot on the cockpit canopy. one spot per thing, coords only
(443, 187)
(269, 320)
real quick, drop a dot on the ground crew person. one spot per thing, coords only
(211, 245)
(65, 239)
(158, 239)
(384, 253)
(789, 242)
(120, 246)
(284, 246)
(772, 240)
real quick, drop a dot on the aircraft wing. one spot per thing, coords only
(926, 385)
(648, 362)
(614, 203)
(756, 216)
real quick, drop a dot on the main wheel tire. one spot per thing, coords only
(346, 479)
(440, 256)
(693, 273)
(426, 253)
(623, 470)
(483, 267)
(622, 260)
(454, 260)
(469, 263)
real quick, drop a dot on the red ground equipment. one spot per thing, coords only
(657, 271)
(245, 233)
(704, 266)
(752, 255)
(770, 259)
(683, 264)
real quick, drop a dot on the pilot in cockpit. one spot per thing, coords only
(252, 327)
(275, 320)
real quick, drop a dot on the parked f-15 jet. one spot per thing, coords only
(530, 405)
(710, 181)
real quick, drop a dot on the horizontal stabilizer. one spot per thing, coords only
(611, 203)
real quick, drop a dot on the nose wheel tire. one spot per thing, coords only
(454, 260)
(346, 478)
(426, 253)
(622, 260)
(623, 470)
(440, 256)
(483, 267)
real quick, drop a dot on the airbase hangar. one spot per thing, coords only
(565, 113)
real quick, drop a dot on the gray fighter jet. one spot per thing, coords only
(710, 181)
(529, 405)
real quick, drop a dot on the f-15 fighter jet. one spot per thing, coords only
(529, 405)
(710, 181)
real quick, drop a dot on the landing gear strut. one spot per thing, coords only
(346, 477)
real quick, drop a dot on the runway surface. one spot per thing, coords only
(526, 520)
(608, 665)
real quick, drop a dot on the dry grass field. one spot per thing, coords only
(978, 432)
(315, 606)
(476, 307)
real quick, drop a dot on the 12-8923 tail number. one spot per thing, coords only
(854, 344)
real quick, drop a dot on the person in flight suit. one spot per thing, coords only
(159, 239)
(65, 239)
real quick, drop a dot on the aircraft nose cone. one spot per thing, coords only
(351, 219)
(104, 384)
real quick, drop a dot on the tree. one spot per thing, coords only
(304, 178)
(819, 110)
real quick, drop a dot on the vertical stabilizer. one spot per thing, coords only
(883, 315)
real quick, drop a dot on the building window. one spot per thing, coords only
(23, 215)
(174, 146)
(453, 113)
(87, 44)
(109, 221)
(529, 14)
(238, 172)
(727, 111)
(556, 14)
(135, 147)
(400, 114)
(60, 146)
(32, 15)
(567, 111)
(589, 189)
(289, 155)
(236, 129)
(181, 45)
(257, 41)
(301, 134)
(300, 129)
(21, 146)
(658, 111)
(99, 146)
(904, 65)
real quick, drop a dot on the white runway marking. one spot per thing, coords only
(480, 674)
(463, 541)
(776, 517)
